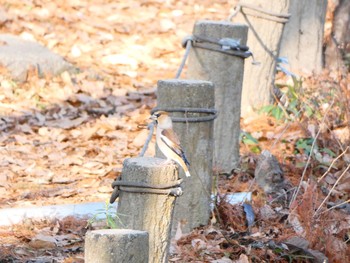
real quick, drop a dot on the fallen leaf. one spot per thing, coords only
(242, 259)
(42, 242)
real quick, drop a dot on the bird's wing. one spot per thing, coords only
(169, 137)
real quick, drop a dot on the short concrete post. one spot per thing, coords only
(264, 37)
(192, 209)
(116, 245)
(226, 73)
(148, 211)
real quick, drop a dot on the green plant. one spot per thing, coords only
(304, 145)
(290, 105)
(247, 139)
(112, 218)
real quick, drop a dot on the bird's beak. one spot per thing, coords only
(153, 117)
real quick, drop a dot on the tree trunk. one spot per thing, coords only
(339, 43)
(264, 37)
(302, 38)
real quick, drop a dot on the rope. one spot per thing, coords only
(176, 191)
(212, 114)
(118, 185)
(145, 185)
(226, 43)
(264, 13)
(186, 43)
(228, 46)
(149, 137)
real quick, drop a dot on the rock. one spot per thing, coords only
(267, 213)
(268, 173)
(300, 245)
(19, 56)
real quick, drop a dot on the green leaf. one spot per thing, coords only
(267, 108)
(304, 144)
(300, 164)
(248, 139)
(328, 151)
(255, 149)
(111, 222)
(277, 113)
(308, 111)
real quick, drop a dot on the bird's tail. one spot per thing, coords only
(187, 163)
(187, 173)
(183, 156)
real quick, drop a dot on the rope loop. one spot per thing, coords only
(185, 41)
(212, 114)
(228, 46)
(173, 188)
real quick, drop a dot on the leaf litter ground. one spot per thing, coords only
(63, 139)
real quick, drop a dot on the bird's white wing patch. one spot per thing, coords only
(170, 139)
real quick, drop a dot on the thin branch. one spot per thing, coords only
(330, 167)
(305, 168)
(331, 208)
(330, 192)
(280, 136)
(309, 157)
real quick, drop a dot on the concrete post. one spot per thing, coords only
(116, 245)
(147, 211)
(226, 73)
(192, 209)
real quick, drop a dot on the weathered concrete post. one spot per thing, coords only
(116, 245)
(302, 39)
(147, 208)
(266, 20)
(226, 73)
(193, 207)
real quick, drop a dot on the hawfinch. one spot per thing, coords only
(168, 142)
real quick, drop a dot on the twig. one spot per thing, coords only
(330, 167)
(330, 192)
(280, 136)
(309, 157)
(280, 105)
(329, 209)
(305, 168)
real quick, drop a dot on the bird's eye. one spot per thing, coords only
(157, 114)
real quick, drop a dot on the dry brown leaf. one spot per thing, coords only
(41, 241)
(66, 123)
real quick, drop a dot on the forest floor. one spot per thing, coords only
(63, 139)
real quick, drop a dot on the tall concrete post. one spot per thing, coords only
(226, 73)
(192, 209)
